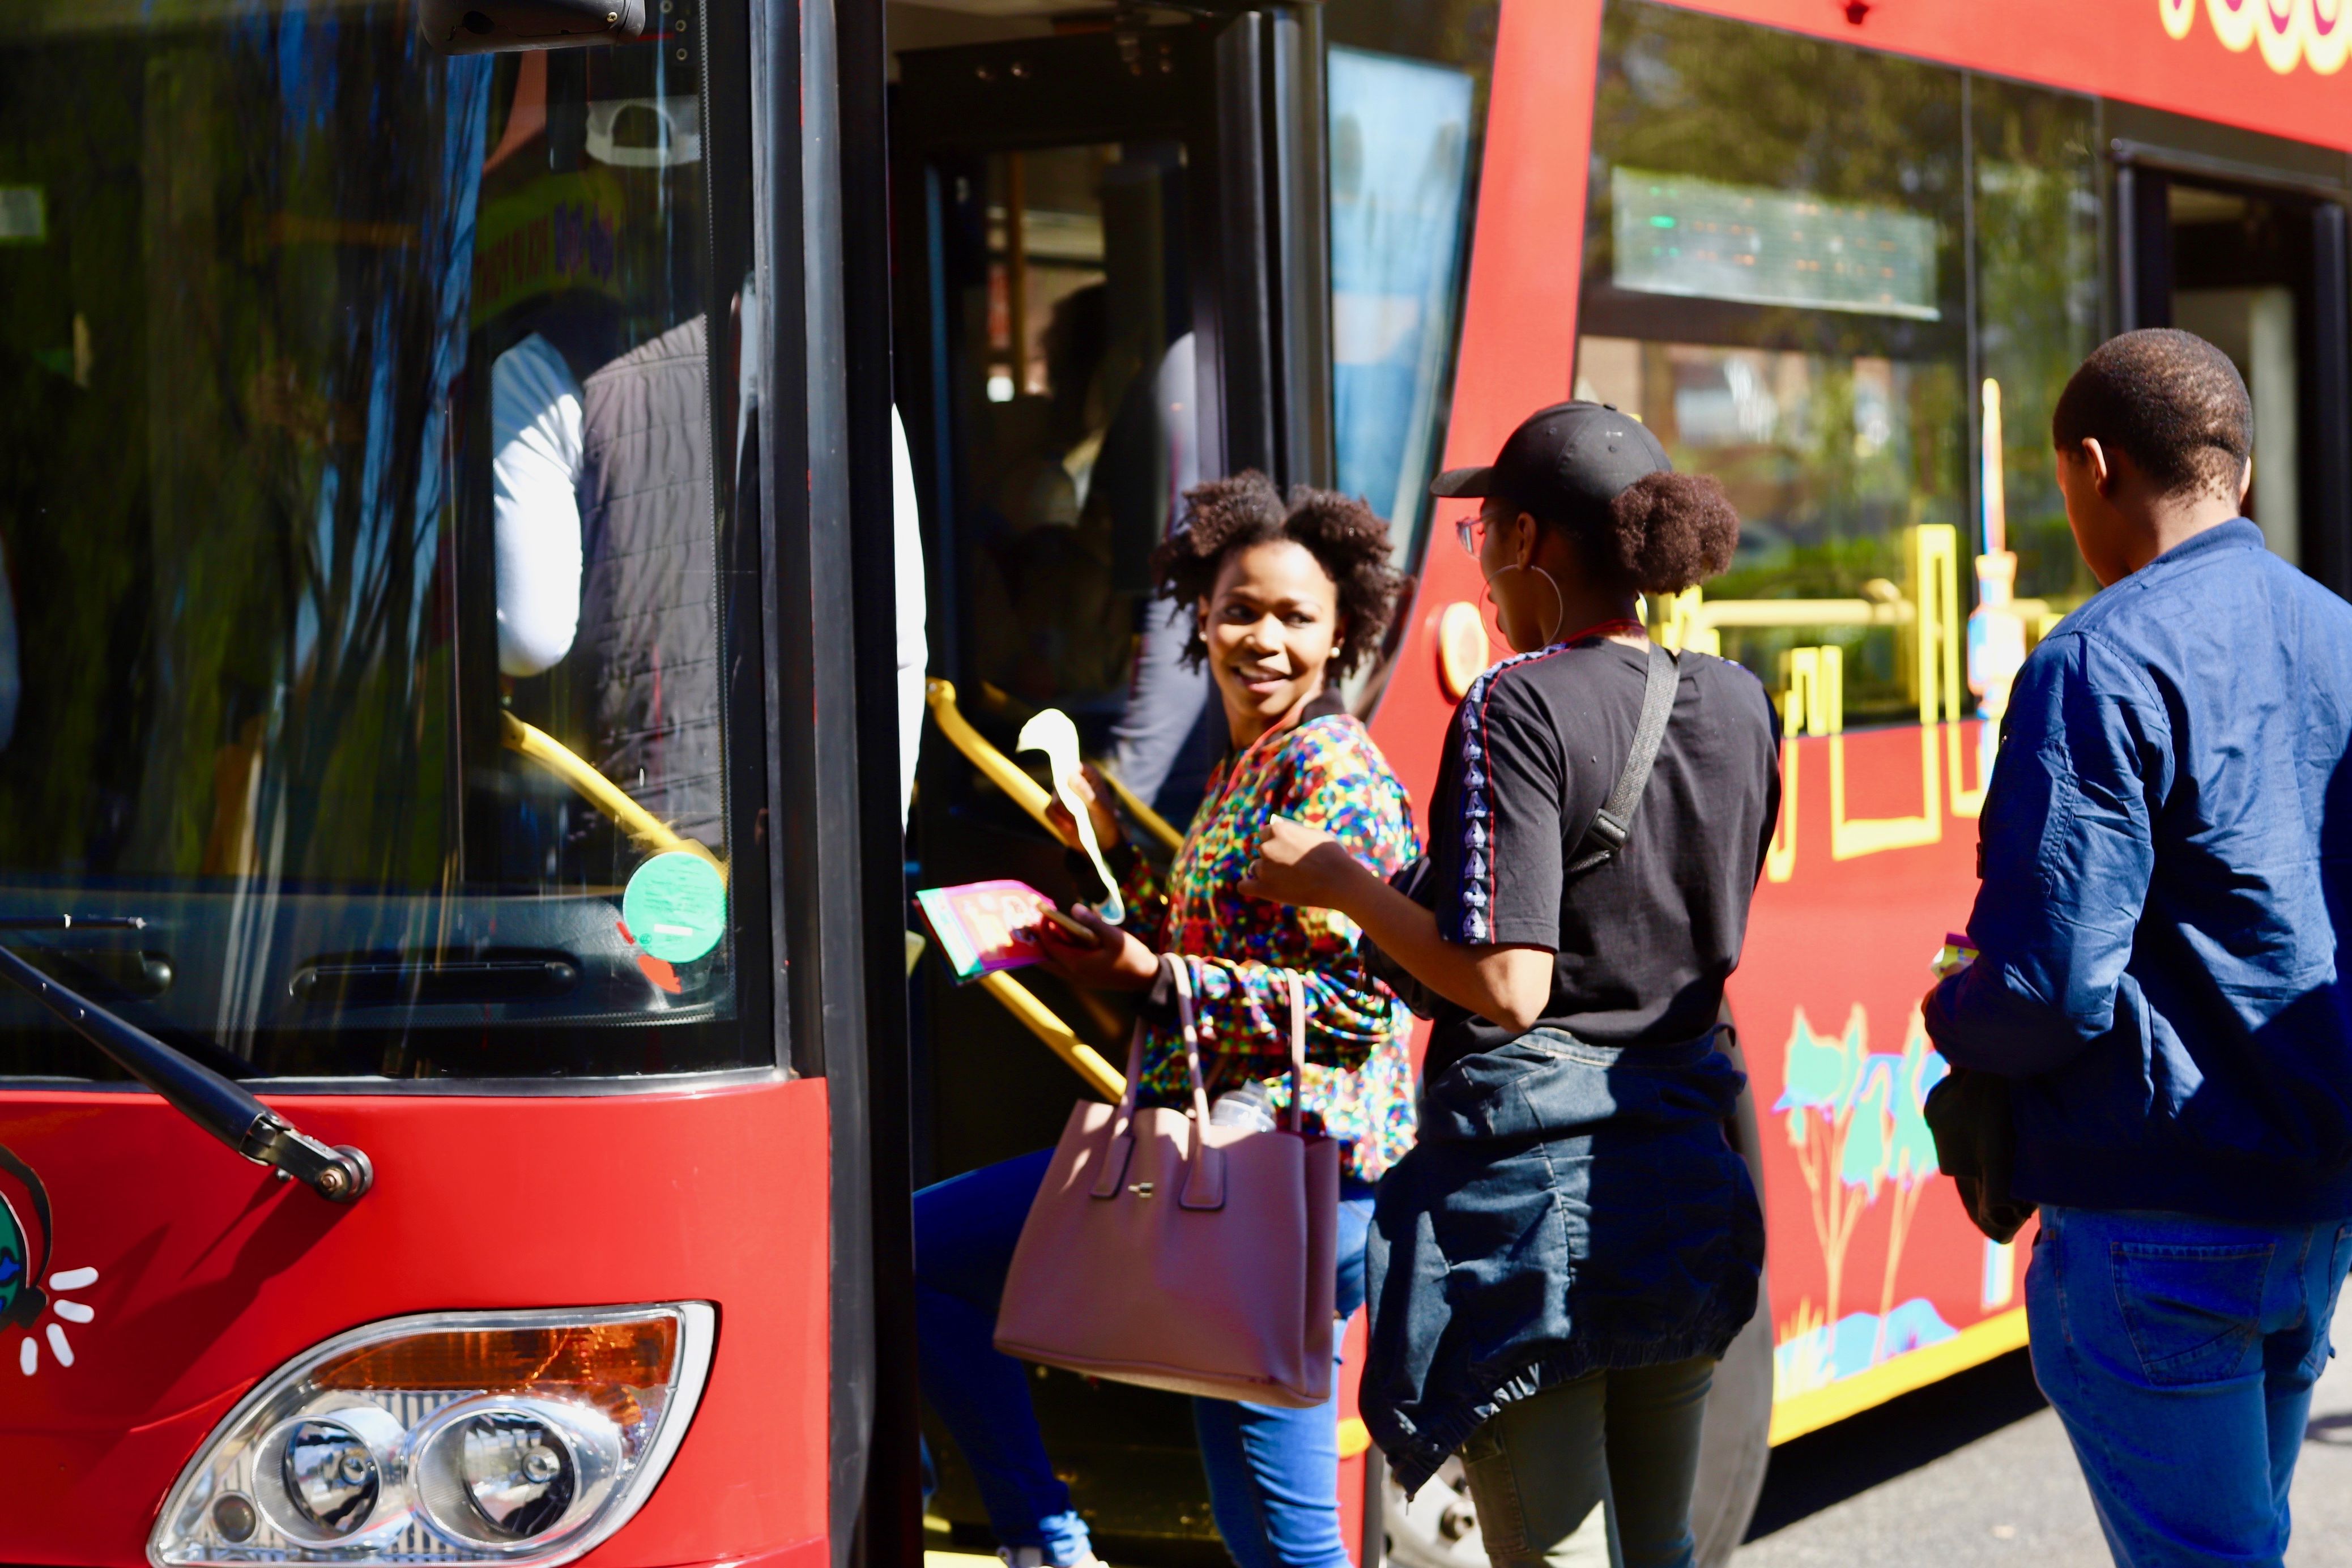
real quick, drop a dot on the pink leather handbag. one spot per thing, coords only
(1167, 1252)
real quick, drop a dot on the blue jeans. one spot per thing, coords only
(1274, 1473)
(2180, 1351)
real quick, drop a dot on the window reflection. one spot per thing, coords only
(1780, 280)
(354, 409)
(1078, 387)
(1774, 281)
(2037, 237)
(1400, 172)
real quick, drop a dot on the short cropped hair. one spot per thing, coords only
(1347, 538)
(2170, 402)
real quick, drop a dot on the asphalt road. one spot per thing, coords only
(1977, 1470)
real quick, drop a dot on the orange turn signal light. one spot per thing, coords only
(632, 1353)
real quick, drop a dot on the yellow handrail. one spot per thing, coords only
(1041, 1021)
(600, 792)
(999, 769)
(1151, 821)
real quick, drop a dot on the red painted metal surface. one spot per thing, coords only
(212, 1273)
(2116, 49)
(1352, 1345)
(1836, 961)
(1519, 330)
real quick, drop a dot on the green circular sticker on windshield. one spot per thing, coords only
(676, 905)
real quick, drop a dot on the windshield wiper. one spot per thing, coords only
(215, 1103)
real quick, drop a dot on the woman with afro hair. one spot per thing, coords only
(1557, 1266)
(1287, 595)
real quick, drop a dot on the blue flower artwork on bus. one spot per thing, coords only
(1857, 1122)
(25, 1253)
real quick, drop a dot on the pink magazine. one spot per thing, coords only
(982, 926)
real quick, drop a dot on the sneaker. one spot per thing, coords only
(1034, 1557)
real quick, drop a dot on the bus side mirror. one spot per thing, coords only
(510, 26)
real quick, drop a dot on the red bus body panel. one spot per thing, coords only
(212, 1273)
(2115, 48)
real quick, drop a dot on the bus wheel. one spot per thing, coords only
(1733, 1440)
(1437, 1528)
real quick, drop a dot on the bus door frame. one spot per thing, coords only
(1246, 98)
(2153, 149)
(831, 830)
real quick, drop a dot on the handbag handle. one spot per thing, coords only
(1297, 1047)
(1204, 1185)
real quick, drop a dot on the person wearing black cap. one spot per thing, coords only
(1558, 1265)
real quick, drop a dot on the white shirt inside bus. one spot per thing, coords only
(536, 445)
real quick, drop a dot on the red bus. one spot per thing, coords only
(449, 624)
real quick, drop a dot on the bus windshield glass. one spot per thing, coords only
(368, 583)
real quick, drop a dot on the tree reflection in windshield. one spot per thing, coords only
(230, 474)
(257, 557)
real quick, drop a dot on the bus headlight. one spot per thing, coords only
(450, 1438)
(326, 1475)
(495, 1471)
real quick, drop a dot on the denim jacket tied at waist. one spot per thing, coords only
(1570, 1207)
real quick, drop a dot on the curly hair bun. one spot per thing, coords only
(1672, 531)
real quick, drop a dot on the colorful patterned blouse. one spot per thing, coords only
(1324, 771)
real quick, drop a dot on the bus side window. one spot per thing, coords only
(1800, 327)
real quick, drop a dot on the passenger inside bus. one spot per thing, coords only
(606, 558)
(601, 478)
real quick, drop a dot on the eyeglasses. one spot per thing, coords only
(1471, 531)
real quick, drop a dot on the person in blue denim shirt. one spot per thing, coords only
(2167, 856)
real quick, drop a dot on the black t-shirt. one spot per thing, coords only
(1645, 940)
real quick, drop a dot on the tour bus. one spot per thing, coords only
(467, 1050)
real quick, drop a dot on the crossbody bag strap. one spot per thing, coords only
(1612, 824)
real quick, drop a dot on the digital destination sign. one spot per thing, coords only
(1700, 238)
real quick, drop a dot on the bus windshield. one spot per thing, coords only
(367, 572)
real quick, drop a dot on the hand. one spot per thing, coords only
(1301, 864)
(1088, 787)
(1116, 961)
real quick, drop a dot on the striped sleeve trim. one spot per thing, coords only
(1468, 918)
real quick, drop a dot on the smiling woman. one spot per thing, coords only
(1283, 595)
(1287, 594)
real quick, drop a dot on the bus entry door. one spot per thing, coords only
(1110, 286)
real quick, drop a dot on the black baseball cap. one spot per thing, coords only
(1565, 463)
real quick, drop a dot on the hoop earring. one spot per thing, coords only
(1558, 599)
